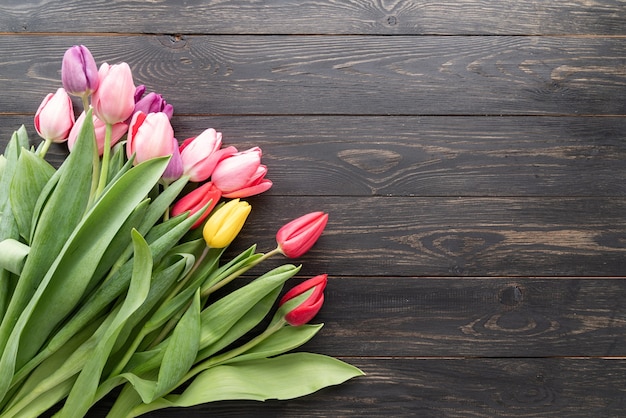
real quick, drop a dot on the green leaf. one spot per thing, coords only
(31, 175)
(83, 392)
(218, 318)
(248, 321)
(12, 255)
(285, 377)
(69, 197)
(283, 340)
(181, 350)
(63, 285)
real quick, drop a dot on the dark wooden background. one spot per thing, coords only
(470, 154)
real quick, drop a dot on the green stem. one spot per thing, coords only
(206, 292)
(44, 148)
(104, 170)
(85, 102)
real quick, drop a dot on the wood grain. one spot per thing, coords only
(420, 156)
(470, 155)
(316, 17)
(339, 75)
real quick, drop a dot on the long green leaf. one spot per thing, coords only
(31, 175)
(181, 350)
(63, 210)
(64, 284)
(13, 255)
(83, 392)
(284, 377)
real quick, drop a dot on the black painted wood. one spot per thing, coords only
(470, 154)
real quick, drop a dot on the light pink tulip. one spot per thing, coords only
(150, 136)
(201, 154)
(241, 174)
(114, 101)
(55, 116)
(118, 131)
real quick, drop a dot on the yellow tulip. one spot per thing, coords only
(224, 225)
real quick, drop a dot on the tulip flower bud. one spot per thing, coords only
(306, 310)
(225, 223)
(118, 131)
(174, 168)
(114, 101)
(200, 154)
(79, 72)
(298, 236)
(149, 136)
(241, 174)
(55, 116)
(152, 103)
(196, 200)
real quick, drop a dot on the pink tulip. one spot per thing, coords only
(306, 310)
(55, 116)
(150, 136)
(241, 174)
(201, 154)
(118, 131)
(79, 72)
(298, 236)
(114, 101)
(195, 201)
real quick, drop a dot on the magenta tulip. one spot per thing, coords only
(196, 200)
(114, 101)
(118, 131)
(298, 236)
(153, 103)
(174, 168)
(79, 72)
(200, 154)
(241, 174)
(306, 310)
(55, 116)
(150, 136)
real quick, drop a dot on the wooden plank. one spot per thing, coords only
(343, 75)
(453, 236)
(471, 317)
(317, 17)
(420, 156)
(447, 387)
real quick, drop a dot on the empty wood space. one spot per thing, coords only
(471, 155)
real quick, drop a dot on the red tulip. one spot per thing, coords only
(298, 236)
(196, 200)
(150, 136)
(114, 101)
(55, 116)
(306, 310)
(118, 131)
(241, 174)
(200, 154)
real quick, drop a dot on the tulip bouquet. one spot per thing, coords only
(111, 266)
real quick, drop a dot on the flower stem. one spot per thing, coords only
(206, 292)
(85, 102)
(106, 152)
(44, 148)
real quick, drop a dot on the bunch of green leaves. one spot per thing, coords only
(103, 291)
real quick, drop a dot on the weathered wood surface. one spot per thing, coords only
(470, 154)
